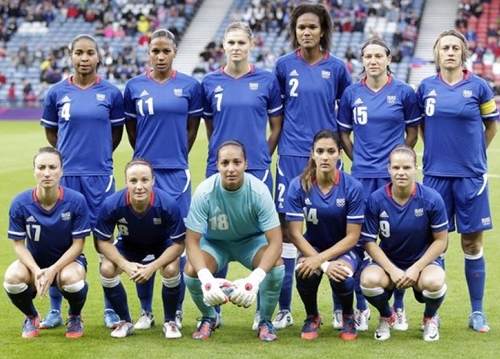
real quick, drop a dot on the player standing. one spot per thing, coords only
(149, 221)
(162, 110)
(460, 121)
(83, 118)
(332, 204)
(48, 226)
(311, 82)
(378, 104)
(410, 220)
(232, 218)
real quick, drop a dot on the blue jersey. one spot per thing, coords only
(378, 121)
(232, 215)
(48, 233)
(240, 110)
(454, 142)
(310, 93)
(405, 232)
(326, 215)
(142, 232)
(162, 111)
(83, 119)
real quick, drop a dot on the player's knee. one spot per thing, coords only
(109, 269)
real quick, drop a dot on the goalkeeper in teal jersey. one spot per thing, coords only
(233, 218)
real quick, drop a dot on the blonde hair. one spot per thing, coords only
(463, 44)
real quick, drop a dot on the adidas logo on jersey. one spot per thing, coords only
(65, 99)
(31, 219)
(144, 93)
(307, 202)
(217, 209)
(358, 101)
(122, 221)
(218, 89)
(384, 215)
(293, 73)
(432, 93)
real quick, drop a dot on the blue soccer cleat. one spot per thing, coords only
(74, 327)
(52, 320)
(267, 333)
(477, 321)
(111, 319)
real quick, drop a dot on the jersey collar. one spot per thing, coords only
(148, 74)
(388, 190)
(389, 80)
(252, 70)
(60, 196)
(97, 79)
(467, 74)
(299, 54)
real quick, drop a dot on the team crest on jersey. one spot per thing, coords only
(467, 93)
(419, 212)
(253, 86)
(307, 201)
(340, 202)
(156, 221)
(66, 216)
(100, 97)
(326, 74)
(486, 221)
(391, 99)
(178, 92)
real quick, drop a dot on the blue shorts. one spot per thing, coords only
(95, 189)
(439, 261)
(466, 200)
(81, 260)
(370, 185)
(287, 168)
(264, 175)
(242, 251)
(176, 183)
(134, 255)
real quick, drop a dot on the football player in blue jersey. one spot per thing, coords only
(149, 221)
(239, 102)
(410, 221)
(83, 118)
(311, 82)
(383, 105)
(162, 111)
(232, 218)
(331, 202)
(48, 226)
(460, 121)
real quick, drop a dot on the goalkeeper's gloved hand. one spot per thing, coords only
(247, 288)
(212, 293)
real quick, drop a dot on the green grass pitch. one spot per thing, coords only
(19, 141)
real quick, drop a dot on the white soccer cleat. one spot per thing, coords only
(171, 330)
(361, 317)
(124, 329)
(283, 319)
(146, 320)
(256, 321)
(431, 329)
(337, 319)
(400, 323)
(383, 331)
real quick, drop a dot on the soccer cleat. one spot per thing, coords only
(362, 317)
(171, 330)
(74, 327)
(337, 319)
(218, 321)
(146, 320)
(283, 319)
(438, 322)
(30, 327)
(431, 329)
(477, 321)
(111, 319)
(348, 331)
(267, 332)
(206, 326)
(310, 327)
(178, 319)
(400, 323)
(256, 321)
(52, 320)
(124, 329)
(383, 331)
